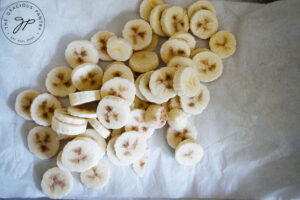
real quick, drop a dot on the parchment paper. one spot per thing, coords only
(250, 131)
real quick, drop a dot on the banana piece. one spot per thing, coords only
(96, 177)
(155, 17)
(113, 112)
(140, 104)
(139, 166)
(177, 118)
(176, 135)
(87, 76)
(119, 87)
(81, 51)
(172, 104)
(188, 152)
(87, 110)
(43, 142)
(111, 153)
(200, 5)
(146, 7)
(119, 49)
(99, 41)
(223, 44)
(138, 92)
(187, 37)
(79, 98)
(195, 105)
(143, 61)
(24, 101)
(99, 127)
(43, 107)
(57, 183)
(153, 44)
(173, 20)
(94, 135)
(204, 24)
(117, 69)
(198, 50)
(138, 32)
(59, 163)
(67, 128)
(179, 61)
(59, 83)
(174, 47)
(156, 116)
(62, 115)
(117, 132)
(209, 65)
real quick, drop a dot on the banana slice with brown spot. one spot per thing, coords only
(223, 43)
(200, 5)
(99, 40)
(172, 48)
(155, 19)
(204, 24)
(147, 6)
(24, 101)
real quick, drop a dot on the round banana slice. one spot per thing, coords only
(111, 153)
(196, 104)
(175, 136)
(173, 20)
(173, 103)
(177, 118)
(139, 166)
(187, 37)
(174, 47)
(200, 5)
(179, 61)
(24, 101)
(87, 110)
(156, 116)
(223, 43)
(99, 127)
(209, 65)
(143, 61)
(99, 40)
(43, 142)
(138, 92)
(153, 44)
(140, 104)
(146, 7)
(81, 51)
(62, 115)
(155, 17)
(87, 76)
(67, 128)
(204, 24)
(119, 49)
(59, 83)
(198, 50)
(117, 69)
(188, 152)
(94, 135)
(79, 98)
(43, 107)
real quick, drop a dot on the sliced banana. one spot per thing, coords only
(59, 83)
(146, 7)
(87, 76)
(67, 128)
(176, 135)
(174, 47)
(117, 69)
(43, 142)
(81, 51)
(156, 116)
(188, 152)
(187, 37)
(99, 40)
(223, 43)
(143, 61)
(139, 167)
(79, 98)
(173, 20)
(195, 105)
(57, 183)
(111, 153)
(59, 163)
(138, 92)
(155, 17)
(209, 65)
(179, 61)
(119, 49)
(87, 110)
(204, 24)
(177, 118)
(173, 103)
(24, 101)
(91, 133)
(153, 44)
(99, 127)
(200, 5)
(43, 107)
(140, 104)
(198, 50)
(62, 115)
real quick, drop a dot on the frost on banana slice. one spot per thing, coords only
(139, 167)
(156, 116)
(62, 115)
(138, 32)
(99, 40)
(67, 128)
(204, 24)
(177, 119)
(99, 127)
(81, 51)
(200, 5)
(209, 65)
(117, 69)
(143, 61)
(196, 104)
(187, 37)
(59, 83)
(43, 142)
(43, 107)
(87, 110)
(119, 49)
(111, 153)
(188, 152)
(223, 43)
(147, 6)
(138, 92)
(87, 76)
(153, 44)
(179, 61)
(176, 135)
(79, 98)
(155, 17)
(24, 101)
(174, 47)
(56, 183)
(198, 50)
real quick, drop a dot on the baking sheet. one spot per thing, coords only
(250, 131)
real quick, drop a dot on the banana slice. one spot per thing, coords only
(188, 152)
(139, 167)
(79, 98)
(140, 104)
(99, 41)
(156, 116)
(57, 183)
(62, 115)
(99, 127)
(173, 103)
(155, 17)
(87, 76)
(174, 47)
(143, 61)
(43, 107)
(146, 7)
(24, 101)
(113, 112)
(161, 82)
(67, 128)
(87, 110)
(119, 49)
(204, 24)
(176, 135)
(173, 20)
(223, 43)
(200, 5)
(59, 83)
(198, 50)
(119, 87)
(96, 177)
(59, 163)
(195, 105)
(43, 142)
(130, 146)
(137, 123)
(187, 37)
(177, 118)
(111, 153)
(91, 133)
(117, 69)
(179, 61)
(186, 81)
(138, 92)
(81, 51)
(138, 32)
(117, 132)
(209, 65)
(153, 44)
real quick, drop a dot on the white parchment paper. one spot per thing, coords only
(250, 131)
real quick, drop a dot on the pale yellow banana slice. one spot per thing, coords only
(67, 128)
(177, 118)
(174, 47)
(179, 61)
(99, 40)
(155, 17)
(24, 101)
(188, 152)
(223, 43)
(204, 24)
(94, 135)
(200, 5)
(62, 115)
(119, 49)
(143, 61)
(176, 135)
(187, 37)
(153, 44)
(146, 7)
(111, 153)
(140, 104)
(95, 123)
(198, 50)
(139, 167)
(156, 116)
(138, 92)
(117, 69)
(79, 98)
(87, 110)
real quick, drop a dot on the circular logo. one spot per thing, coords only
(23, 23)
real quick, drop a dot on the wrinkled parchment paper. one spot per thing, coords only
(250, 131)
